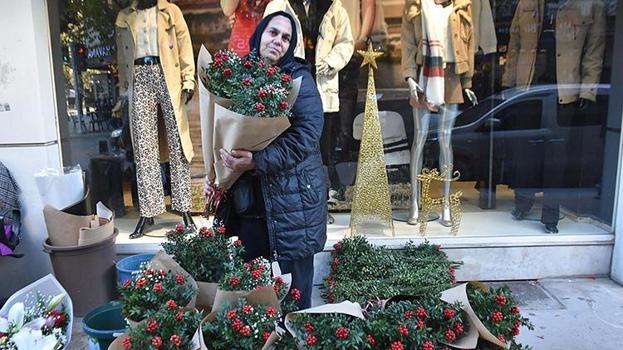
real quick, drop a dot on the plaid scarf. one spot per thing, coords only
(434, 21)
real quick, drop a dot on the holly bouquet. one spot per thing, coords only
(492, 311)
(203, 254)
(38, 317)
(171, 327)
(150, 289)
(245, 104)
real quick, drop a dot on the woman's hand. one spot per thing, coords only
(238, 160)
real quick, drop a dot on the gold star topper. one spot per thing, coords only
(370, 56)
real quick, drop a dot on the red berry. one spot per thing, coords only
(283, 105)
(515, 310)
(337, 246)
(247, 309)
(449, 313)
(420, 324)
(179, 279)
(230, 314)
(256, 274)
(342, 333)
(295, 294)
(246, 330)
(308, 327)
(311, 340)
(497, 316)
(227, 72)
(237, 243)
(234, 281)
(265, 336)
(421, 313)
(248, 64)
(396, 346)
(171, 304)
(450, 336)
(156, 342)
(176, 339)
(140, 283)
(180, 228)
(271, 312)
(158, 288)
(220, 229)
(458, 328)
(501, 338)
(261, 93)
(127, 343)
(127, 283)
(408, 314)
(403, 330)
(428, 345)
(259, 106)
(335, 263)
(152, 326)
(500, 300)
(285, 77)
(236, 325)
(371, 339)
(179, 315)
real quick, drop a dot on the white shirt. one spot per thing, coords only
(146, 32)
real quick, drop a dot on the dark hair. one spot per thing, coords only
(256, 38)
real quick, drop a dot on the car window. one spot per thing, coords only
(521, 115)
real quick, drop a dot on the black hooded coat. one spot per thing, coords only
(290, 169)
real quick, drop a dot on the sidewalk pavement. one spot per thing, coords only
(568, 314)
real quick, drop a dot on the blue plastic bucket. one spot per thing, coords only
(103, 324)
(126, 266)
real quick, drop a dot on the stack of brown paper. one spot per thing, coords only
(66, 230)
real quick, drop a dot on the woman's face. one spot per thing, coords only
(276, 39)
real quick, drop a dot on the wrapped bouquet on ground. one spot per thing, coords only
(38, 317)
(156, 284)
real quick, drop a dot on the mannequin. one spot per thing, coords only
(156, 73)
(565, 49)
(247, 14)
(443, 72)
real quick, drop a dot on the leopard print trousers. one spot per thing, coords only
(150, 90)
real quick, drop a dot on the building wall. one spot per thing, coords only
(28, 132)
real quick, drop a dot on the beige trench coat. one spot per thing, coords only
(462, 40)
(580, 43)
(176, 58)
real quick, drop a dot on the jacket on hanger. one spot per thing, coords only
(335, 46)
(176, 58)
(484, 28)
(580, 44)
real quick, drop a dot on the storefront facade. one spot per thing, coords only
(549, 154)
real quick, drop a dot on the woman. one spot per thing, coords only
(287, 218)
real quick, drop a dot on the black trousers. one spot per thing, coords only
(253, 233)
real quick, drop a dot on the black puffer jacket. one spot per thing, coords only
(292, 177)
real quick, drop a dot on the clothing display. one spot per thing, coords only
(176, 59)
(147, 33)
(334, 47)
(150, 91)
(579, 34)
(246, 17)
(485, 37)
(413, 35)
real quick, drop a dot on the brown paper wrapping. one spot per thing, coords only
(237, 131)
(206, 295)
(265, 296)
(459, 293)
(68, 230)
(165, 261)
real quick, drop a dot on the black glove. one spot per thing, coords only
(585, 104)
(187, 94)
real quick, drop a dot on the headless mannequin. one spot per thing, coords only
(187, 96)
(421, 116)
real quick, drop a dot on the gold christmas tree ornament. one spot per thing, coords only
(430, 203)
(371, 209)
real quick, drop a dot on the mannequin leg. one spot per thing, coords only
(421, 118)
(447, 117)
(180, 168)
(145, 141)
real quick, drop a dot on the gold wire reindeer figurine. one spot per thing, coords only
(429, 203)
